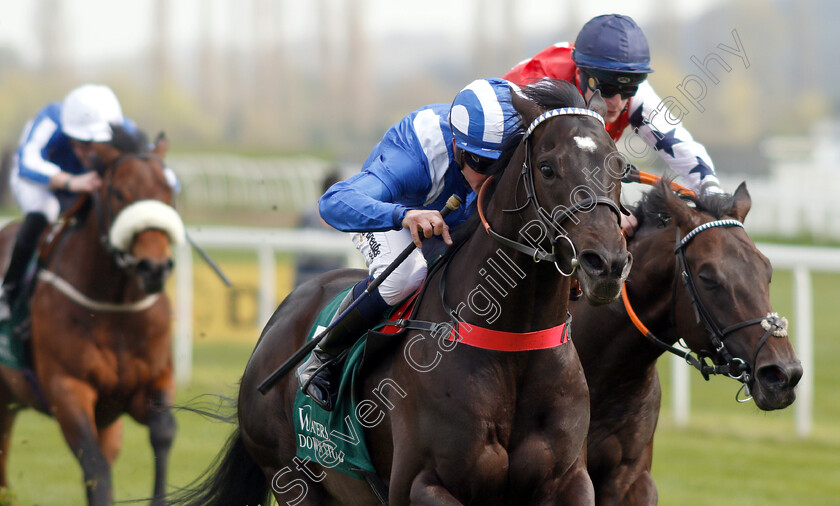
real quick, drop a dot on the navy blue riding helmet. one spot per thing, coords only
(613, 50)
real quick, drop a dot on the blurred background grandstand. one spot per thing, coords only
(261, 97)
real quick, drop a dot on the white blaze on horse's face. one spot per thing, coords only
(585, 143)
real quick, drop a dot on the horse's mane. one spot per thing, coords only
(653, 212)
(554, 94)
(125, 141)
(129, 142)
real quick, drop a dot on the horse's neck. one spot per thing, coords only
(652, 280)
(503, 289)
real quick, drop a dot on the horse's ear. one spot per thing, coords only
(741, 204)
(684, 217)
(528, 110)
(161, 145)
(597, 104)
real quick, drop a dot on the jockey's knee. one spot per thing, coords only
(404, 280)
(33, 225)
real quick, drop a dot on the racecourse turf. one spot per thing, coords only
(729, 454)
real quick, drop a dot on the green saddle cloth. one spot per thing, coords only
(335, 439)
(12, 353)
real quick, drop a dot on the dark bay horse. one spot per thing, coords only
(100, 333)
(462, 424)
(730, 279)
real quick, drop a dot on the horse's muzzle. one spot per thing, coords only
(152, 275)
(602, 274)
(773, 386)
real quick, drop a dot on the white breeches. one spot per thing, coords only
(379, 249)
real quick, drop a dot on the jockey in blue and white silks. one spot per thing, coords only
(432, 153)
(46, 150)
(54, 157)
(409, 168)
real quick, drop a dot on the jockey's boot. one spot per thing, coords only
(319, 374)
(25, 243)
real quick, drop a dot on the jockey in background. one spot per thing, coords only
(611, 54)
(54, 160)
(432, 153)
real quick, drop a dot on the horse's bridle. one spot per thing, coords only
(772, 323)
(547, 222)
(723, 362)
(123, 259)
(104, 211)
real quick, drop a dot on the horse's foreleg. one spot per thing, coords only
(427, 489)
(642, 492)
(110, 440)
(162, 428)
(72, 403)
(577, 486)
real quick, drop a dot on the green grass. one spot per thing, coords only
(734, 453)
(729, 454)
(700, 466)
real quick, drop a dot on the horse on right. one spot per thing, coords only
(696, 277)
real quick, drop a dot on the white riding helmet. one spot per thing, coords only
(88, 111)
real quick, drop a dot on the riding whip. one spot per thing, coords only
(453, 203)
(203, 254)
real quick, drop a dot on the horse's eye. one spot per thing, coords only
(118, 195)
(546, 171)
(708, 280)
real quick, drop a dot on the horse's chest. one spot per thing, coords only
(124, 367)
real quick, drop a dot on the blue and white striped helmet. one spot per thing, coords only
(482, 117)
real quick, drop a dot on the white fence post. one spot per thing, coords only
(681, 390)
(268, 282)
(804, 311)
(182, 345)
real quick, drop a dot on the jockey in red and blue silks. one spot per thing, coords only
(432, 153)
(611, 54)
(52, 159)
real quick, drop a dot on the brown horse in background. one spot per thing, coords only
(730, 278)
(468, 425)
(100, 323)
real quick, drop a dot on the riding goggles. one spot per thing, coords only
(608, 89)
(477, 163)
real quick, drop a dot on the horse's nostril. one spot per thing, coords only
(774, 376)
(143, 266)
(148, 268)
(619, 264)
(593, 263)
(794, 372)
(625, 267)
(771, 376)
(597, 265)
